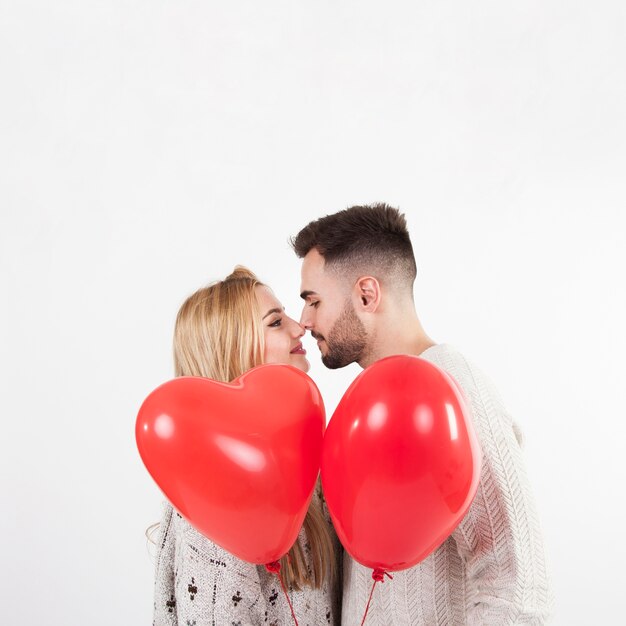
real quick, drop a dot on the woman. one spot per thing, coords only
(222, 331)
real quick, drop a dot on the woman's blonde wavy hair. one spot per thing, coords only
(219, 335)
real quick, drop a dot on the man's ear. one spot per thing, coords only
(367, 293)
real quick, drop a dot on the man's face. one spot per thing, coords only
(329, 314)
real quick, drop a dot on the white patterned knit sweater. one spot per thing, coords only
(492, 570)
(197, 583)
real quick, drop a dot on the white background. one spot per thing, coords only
(147, 147)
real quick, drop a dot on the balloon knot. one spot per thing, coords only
(379, 575)
(273, 567)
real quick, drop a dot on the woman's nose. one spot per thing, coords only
(298, 329)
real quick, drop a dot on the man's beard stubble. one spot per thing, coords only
(346, 340)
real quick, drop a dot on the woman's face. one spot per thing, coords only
(282, 334)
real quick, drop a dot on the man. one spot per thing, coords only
(357, 284)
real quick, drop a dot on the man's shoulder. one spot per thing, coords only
(468, 375)
(445, 356)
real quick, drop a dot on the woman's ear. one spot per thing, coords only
(367, 293)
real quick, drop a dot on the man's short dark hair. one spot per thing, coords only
(368, 237)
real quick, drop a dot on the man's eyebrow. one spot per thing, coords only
(305, 294)
(272, 311)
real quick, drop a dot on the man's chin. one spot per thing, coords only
(332, 363)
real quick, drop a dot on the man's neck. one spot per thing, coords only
(399, 336)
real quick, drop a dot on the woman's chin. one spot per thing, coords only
(301, 363)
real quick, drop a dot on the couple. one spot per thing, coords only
(357, 285)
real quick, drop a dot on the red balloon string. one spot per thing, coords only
(274, 568)
(379, 576)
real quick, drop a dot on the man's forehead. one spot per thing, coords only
(313, 260)
(312, 270)
(317, 281)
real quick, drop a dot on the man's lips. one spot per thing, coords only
(298, 350)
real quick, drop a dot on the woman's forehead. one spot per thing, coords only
(266, 298)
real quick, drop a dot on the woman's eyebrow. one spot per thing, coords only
(272, 311)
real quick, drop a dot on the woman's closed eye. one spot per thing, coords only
(276, 323)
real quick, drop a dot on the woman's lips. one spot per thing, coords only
(298, 349)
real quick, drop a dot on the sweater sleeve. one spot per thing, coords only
(164, 594)
(500, 537)
(202, 584)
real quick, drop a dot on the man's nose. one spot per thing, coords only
(305, 320)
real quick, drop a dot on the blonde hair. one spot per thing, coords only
(218, 332)
(219, 335)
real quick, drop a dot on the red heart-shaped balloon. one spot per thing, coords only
(400, 464)
(239, 461)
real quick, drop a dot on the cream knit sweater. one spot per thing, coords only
(197, 583)
(492, 570)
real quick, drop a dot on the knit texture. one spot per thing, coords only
(491, 570)
(197, 583)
